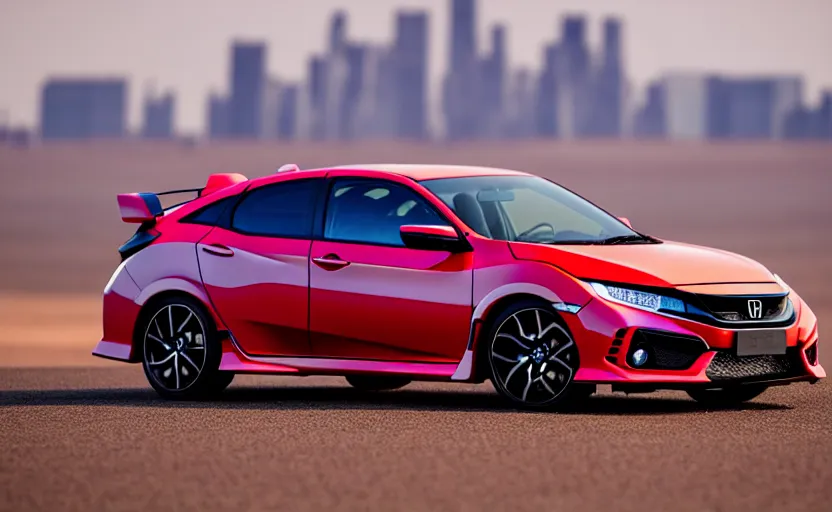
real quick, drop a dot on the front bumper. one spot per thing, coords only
(605, 333)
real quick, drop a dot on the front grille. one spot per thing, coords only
(736, 308)
(728, 366)
(667, 350)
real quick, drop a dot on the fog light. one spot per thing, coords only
(639, 357)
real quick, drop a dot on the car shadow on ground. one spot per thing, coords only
(337, 398)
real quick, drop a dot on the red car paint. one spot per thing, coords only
(316, 306)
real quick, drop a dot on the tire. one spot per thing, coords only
(377, 382)
(727, 397)
(181, 350)
(533, 358)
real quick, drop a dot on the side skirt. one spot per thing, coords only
(234, 360)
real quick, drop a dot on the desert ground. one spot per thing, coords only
(81, 433)
(98, 439)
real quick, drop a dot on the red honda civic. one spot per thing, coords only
(387, 274)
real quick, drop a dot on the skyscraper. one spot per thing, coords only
(548, 92)
(463, 34)
(248, 77)
(411, 48)
(685, 106)
(519, 106)
(376, 116)
(272, 92)
(338, 32)
(825, 116)
(752, 108)
(575, 98)
(336, 74)
(806, 123)
(650, 119)
(718, 109)
(492, 83)
(460, 90)
(83, 108)
(158, 117)
(288, 113)
(356, 57)
(607, 107)
(317, 97)
(788, 95)
(218, 115)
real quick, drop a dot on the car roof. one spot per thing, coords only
(421, 172)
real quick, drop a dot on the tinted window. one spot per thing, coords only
(215, 214)
(371, 211)
(281, 210)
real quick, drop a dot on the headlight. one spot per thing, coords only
(644, 300)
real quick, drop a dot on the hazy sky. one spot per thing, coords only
(183, 44)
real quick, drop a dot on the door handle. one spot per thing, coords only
(330, 262)
(218, 250)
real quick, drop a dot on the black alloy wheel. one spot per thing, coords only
(533, 357)
(181, 351)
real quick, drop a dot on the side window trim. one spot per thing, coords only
(332, 182)
(318, 183)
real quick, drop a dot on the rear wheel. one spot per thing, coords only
(181, 351)
(377, 382)
(533, 357)
(727, 397)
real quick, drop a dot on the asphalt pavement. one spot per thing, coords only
(100, 439)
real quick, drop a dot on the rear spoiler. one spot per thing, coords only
(140, 207)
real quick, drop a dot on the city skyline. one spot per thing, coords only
(207, 66)
(355, 90)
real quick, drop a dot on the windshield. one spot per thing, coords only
(529, 209)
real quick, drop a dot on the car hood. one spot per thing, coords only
(662, 264)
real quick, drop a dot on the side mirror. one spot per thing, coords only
(626, 221)
(433, 238)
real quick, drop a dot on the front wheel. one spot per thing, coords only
(181, 351)
(727, 397)
(533, 357)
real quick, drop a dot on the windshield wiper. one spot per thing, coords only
(621, 239)
(626, 239)
(571, 242)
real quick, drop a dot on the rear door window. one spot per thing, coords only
(281, 210)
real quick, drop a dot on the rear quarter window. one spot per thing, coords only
(217, 213)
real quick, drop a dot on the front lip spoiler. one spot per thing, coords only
(647, 387)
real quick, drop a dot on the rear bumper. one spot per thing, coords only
(113, 350)
(605, 333)
(120, 312)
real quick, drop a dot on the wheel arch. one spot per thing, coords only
(556, 325)
(480, 370)
(150, 301)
